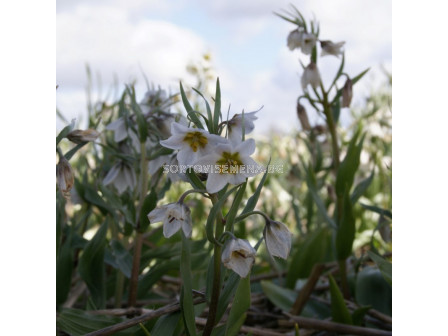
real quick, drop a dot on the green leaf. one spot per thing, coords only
(149, 204)
(358, 315)
(336, 108)
(166, 325)
(66, 130)
(194, 179)
(209, 226)
(378, 210)
(339, 310)
(217, 108)
(347, 168)
(361, 75)
(226, 294)
(209, 120)
(361, 188)
(241, 303)
(283, 298)
(142, 125)
(345, 234)
(122, 258)
(91, 266)
(64, 270)
(310, 181)
(372, 289)
(186, 301)
(73, 151)
(252, 201)
(384, 266)
(313, 250)
(191, 113)
(230, 217)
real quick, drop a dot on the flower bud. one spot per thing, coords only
(278, 239)
(303, 117)
(80, 136)
(64, 176)
(294, 39)
(347, 93)
(311, 76)
(330, 48)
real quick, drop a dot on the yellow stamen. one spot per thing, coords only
(196, 140)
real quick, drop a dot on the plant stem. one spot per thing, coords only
(139, 235)
(216, 287)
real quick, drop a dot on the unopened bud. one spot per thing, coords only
(303, 117)
(347, 93)
(64, 176)
(80, 136)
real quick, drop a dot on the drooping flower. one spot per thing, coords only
(278, 239)
(308, 43)
(192, 143)
(80, 136)
(229, 163)
(294, 40)
(173, 216)
(119, 128)
(153, 99)
(235, 126)
(311, 76)
(347, 93)
(122, 176)
(64, 176)
(331, 48)
(239, 256)
(303, 117)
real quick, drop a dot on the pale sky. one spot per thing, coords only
(247, 43)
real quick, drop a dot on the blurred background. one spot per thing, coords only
(242, 42)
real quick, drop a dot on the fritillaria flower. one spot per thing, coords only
(122, 176)
(80, 136)
(119, 128)
(192, 143)
(330, 48)
(235, 126)
(278, 239)
(173, 216)
(239, 256)
(294, 39)
(229, 163)
(311, 76)
(308, 43)
(347, 93)
(64, 176)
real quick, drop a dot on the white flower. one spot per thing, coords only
(278, 239)
(119, 128)
(239, 256)
(121, 176)
(330, 48)
(229, 163)
(235, 126)
(64, 176)
(311, 76)
(174, 216)
(153, 99)
(193, 143)
(294, 39)
(308, 42)
(80, 136)
(170, 167)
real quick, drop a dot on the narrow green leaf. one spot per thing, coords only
(226, 294)
(149, 204)
(91, 266)
(378, 210)
(187, 307)
(66, 130)
(348, 167)
(252, 201)
(361, 188)
(230, 217)
(73, 151)
(361, 75)
(336, 108)
(339, 310)
(209, 119)
(122, 257)
(283, 298)
(384, 266)
(166, 325)
(358, 315)
(142, 125)
(64, 270)
(194, 179)
(191, 113)
(345, 234)
(209, 226)
(240, 305)
(217, 108)
(372, 289)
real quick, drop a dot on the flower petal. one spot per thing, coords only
(157, 215)
(170, 228)
(174, 142)
(246, 148)
(216, 181)
(112, 174)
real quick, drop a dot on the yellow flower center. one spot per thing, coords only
(196, 140)
(229, 163)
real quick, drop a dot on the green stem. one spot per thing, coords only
(344, 282)
(139, 236)
(216, 286)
